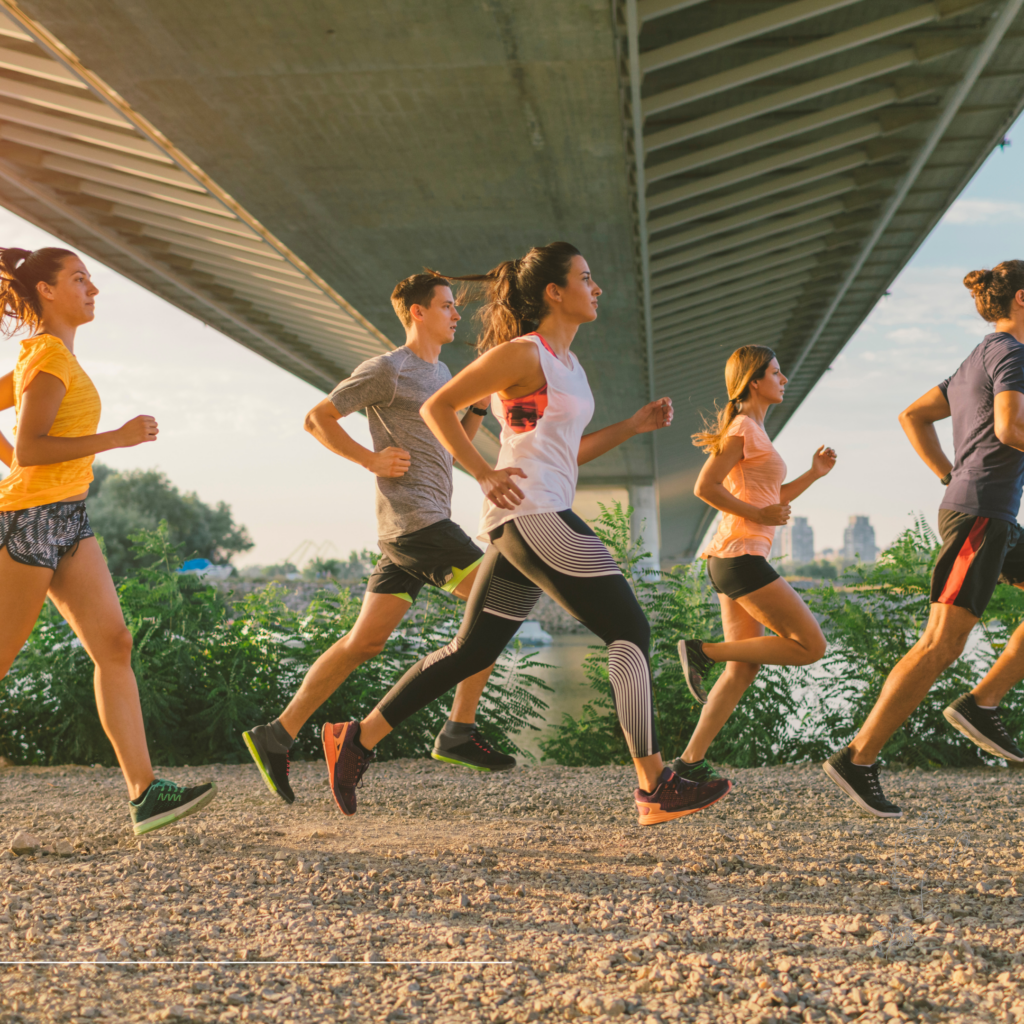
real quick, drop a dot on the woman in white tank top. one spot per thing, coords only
(541, 397)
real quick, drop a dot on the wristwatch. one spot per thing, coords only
(478, 410)
(945, 480)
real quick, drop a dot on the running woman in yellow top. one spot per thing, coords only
(46, 544)
(744, 479)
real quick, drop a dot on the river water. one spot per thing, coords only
(566, 677)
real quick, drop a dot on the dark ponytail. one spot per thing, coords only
(514, 292)
(20, 271)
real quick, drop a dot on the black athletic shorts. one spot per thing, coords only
(739, 576)
(440, 554)
(43, 535)
(977, 553)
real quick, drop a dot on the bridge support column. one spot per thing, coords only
(644, 500)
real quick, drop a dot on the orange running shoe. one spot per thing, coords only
(346, 762)
(673, 797)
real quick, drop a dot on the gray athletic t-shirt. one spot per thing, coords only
(391, 388)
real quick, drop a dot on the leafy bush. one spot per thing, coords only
(207, 671)
(123, 504)
(678, 604)
(871, 617)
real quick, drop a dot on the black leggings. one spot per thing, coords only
(557, 553)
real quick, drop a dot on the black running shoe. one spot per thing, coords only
(165, 802)
(983, 726)
(860, 783)
(701, 771)
(273, 766)
(674, 797)
(472, 752)
(695, 667)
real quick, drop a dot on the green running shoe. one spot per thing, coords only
(702, 771)
(165, 802)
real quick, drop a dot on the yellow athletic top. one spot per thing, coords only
(78, 415)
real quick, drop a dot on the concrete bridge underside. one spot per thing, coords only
(274, 168)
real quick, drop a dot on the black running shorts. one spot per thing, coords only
(739, 576)
(440, 554)
(977, 553)
(43, 535)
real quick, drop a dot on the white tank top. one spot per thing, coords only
(540, 434)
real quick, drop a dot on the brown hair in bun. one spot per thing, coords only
(994, 289)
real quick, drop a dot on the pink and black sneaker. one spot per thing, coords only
(674, 796)
(346, 762)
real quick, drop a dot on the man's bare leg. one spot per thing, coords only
(910, 680)
(378, 618)
(1004, 675)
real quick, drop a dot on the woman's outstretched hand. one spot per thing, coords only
(500, 489)
(653, 416)
(823, 461)
(773, 515)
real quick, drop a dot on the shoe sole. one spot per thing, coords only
(977, 737)
(267, 778)
(659, 816)
(331, 755)
(152, 824)
(852, 794)
(698, 692)
(469, 764)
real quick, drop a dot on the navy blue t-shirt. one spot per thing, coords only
(988, 476)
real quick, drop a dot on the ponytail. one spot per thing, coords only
(514, 301)
(744, 366)
(21, 270)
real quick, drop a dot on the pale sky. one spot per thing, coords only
(231, 423)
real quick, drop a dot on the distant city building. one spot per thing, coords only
(794, 542)
(859, 540)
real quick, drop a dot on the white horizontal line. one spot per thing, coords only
(222, 963)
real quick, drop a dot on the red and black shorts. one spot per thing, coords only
(977, 553)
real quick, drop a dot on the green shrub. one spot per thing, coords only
(206, 671)
(872, 616)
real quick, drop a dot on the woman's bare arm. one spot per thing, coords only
(711, 488)
(653, 416)
(821, 463)
(513, 367)
(918, 422)
(6, 402)
(39, 404)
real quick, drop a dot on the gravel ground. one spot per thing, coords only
(779, 904)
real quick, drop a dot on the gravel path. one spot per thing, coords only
(779, 904)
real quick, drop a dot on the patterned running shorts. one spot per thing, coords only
(43, 535)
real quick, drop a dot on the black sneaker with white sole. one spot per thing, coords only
(695, 667)
(860, 783)
(983, 726)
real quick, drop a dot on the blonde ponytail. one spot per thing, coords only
(744, 366)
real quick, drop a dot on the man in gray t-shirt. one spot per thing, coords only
(420, 544)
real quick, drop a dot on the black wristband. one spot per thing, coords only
(478, 411)
(945, 480)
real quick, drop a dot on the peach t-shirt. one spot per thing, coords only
(78, 415)
(757, 479)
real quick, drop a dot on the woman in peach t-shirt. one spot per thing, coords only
(743, 479)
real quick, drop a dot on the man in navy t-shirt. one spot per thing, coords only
(982, 542)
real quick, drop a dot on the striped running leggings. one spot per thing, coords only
(557, 553)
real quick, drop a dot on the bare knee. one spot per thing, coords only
(365, 648)
(114, 647)
(814, 648)
(943, 649)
